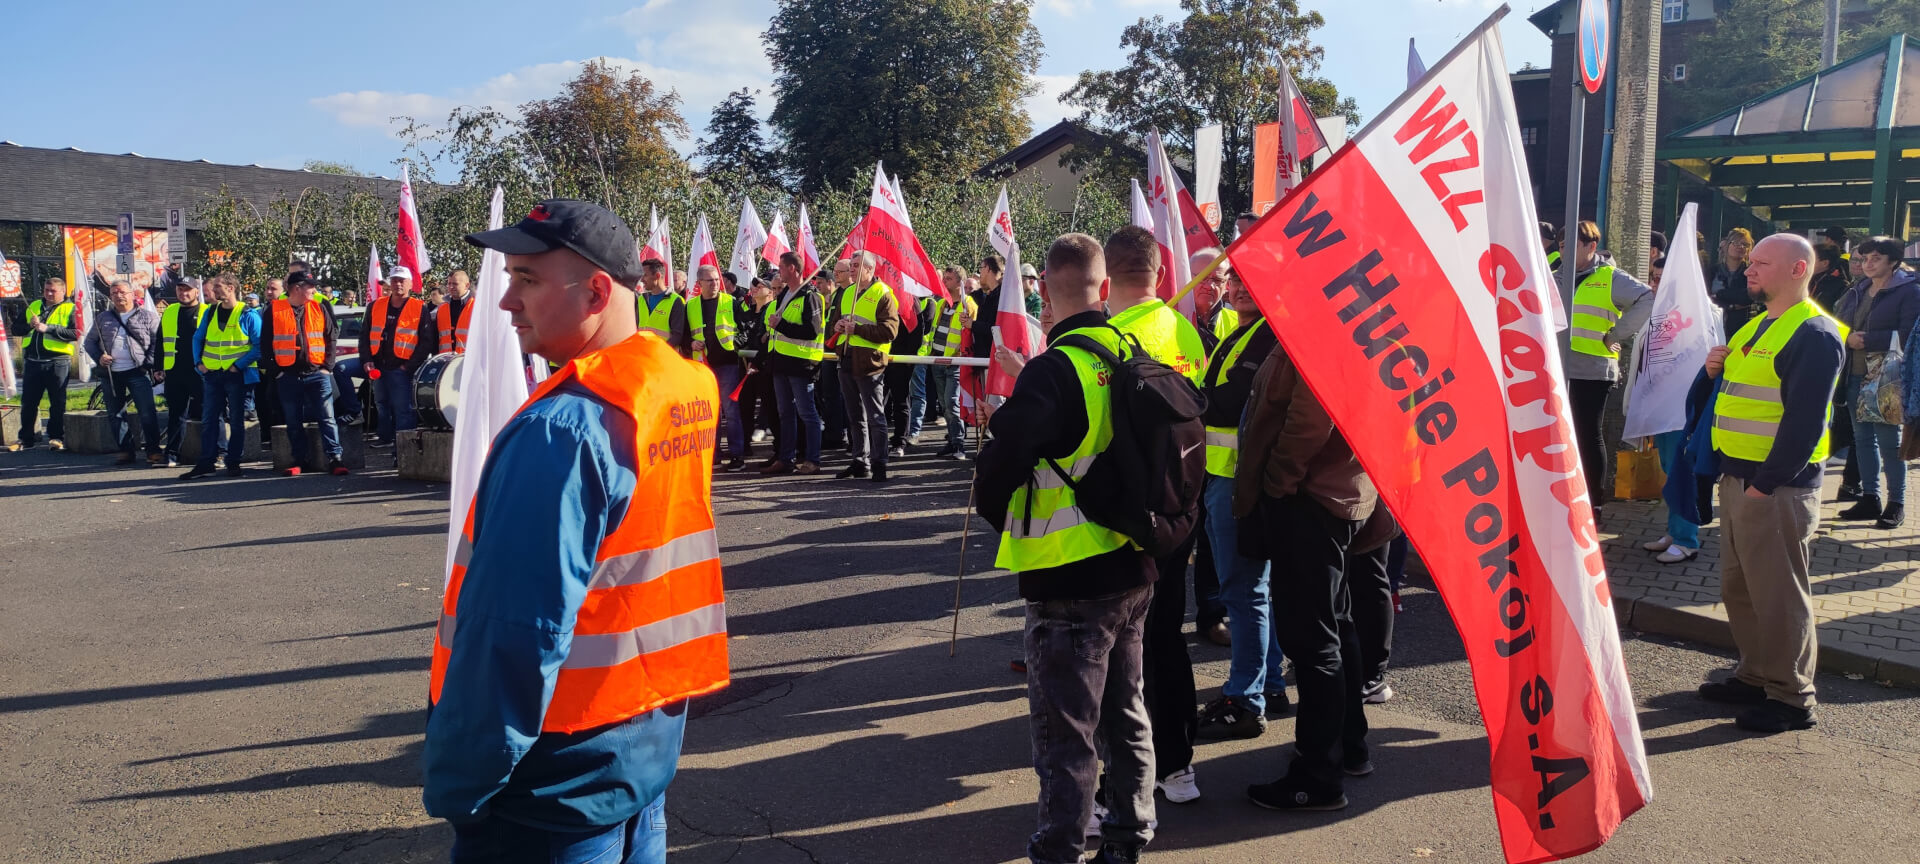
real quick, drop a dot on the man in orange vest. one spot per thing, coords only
(450, 319)
(297, 334)
(560, 681)
(400, 339)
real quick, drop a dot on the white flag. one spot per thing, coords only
(1673, 345)
(777, 244)
(1416, 68)
(1162, 187)
(412, 249)
(701, 252)
(743, 263)
(1138, 212)
(809, 252)
(1000, 226)
(1206, 173)
(492, 386)
(1288, 170)
(902, 198)
(374, 279)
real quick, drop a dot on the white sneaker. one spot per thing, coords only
(1659, 545)
(1179, 787)
(1676, 554)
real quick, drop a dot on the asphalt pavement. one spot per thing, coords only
(234, 671)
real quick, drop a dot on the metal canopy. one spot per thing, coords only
(1840, 147)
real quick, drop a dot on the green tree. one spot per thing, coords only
(1758, 46)
(734, 150)
(322, 166)
(933, 88)
(1221, 64)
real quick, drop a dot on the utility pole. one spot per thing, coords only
(1830, 40)
(1636, 108)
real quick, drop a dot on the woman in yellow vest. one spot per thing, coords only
(1607, 308)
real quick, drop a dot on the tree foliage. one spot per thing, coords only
(1758, 46)
(1219, 64)
(734, 149)
(322, 166)
(935, 88)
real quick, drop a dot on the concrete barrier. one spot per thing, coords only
(9, 424)
(353, 448)
(424, 454)
(87, 432)
(190, 442)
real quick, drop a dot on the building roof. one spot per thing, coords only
(1069, 133)
(74, 187)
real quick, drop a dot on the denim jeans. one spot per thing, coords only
(1879, 448)
(640, 840)
(345, 396)
(183, 403)
(906, 401)
(866, 399)
(1683, 532)
(134, 385)
(1244, 587)
(943, 387)
(799, 416)
(916, 401)
(393, 392)
(728, 376)
(224, 398)
(304, 398)
(1084, 673)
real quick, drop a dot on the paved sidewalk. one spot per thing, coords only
(1866, 587)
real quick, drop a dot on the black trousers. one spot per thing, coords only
(1371, 588)
(758, 407)
(1313, 617)
(44, 379)
(1171, 701)
(183, 403)
(1589, 404)
(899, 381)
(266, 406)
(833, 413)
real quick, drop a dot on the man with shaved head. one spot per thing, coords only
(1775, 378)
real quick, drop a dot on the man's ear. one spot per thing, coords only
(1106, 286)
(599, 292)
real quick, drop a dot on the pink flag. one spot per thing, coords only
(1162, 186)
(412, 247)
(373, 274)
(903, 264)
(702, 253)
(809, 252)
(777, 244)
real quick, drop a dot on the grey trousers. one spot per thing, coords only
(1084, 682)
(866, 399)
(1764, 585)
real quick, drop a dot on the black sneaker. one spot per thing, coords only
(1114, 853)
(1285, 794)
(1892, 517)
(1018, 665)
(736, 465)
(1227, 718)
(1849, 492)
(197, 472)
(855, 471)
(1376, 692)
(233, 471)
(1773, 717)
(1356, 764)
(1732, 691)
(1868, 507)
(1278, 705)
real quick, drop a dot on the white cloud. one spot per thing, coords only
(1044, 107)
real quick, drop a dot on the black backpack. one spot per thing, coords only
(1147, 483)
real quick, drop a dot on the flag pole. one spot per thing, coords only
(953, 642)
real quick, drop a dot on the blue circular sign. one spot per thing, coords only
(1596, 43)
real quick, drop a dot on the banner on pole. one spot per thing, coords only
(1673, 347)
(1405, 279)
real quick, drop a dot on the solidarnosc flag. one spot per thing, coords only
(887, 232)
(809, 252)
(412, 246)
(1673, 346)
(1405, 279)
(701, 252)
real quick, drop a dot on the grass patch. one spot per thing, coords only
(76, 398)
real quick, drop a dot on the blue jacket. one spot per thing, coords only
(554, 486)
(249, 324)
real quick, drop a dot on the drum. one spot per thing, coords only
(436, 391)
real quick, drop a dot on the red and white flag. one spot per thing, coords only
(1000, 226)
(743, 263)
(809, 251)
(701, 254)
(1163, 189)
(412, 245)
(1138, 212)
(1012, 326)
(1452, 396)
(903, 264)
(777, 244)
(375, 281)
(660, 245)
(79, 279)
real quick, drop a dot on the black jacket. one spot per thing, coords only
(1226, 401)
(1045, 418)
(810, 327)
(428, 339)
(718, 356)
(986, 314)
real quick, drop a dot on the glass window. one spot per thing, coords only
(49, 241)
(13, 239)
(1673, 11)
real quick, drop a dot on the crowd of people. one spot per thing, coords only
(1291, 554)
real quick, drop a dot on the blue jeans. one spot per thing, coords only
(916, 402)
(309, 397)
(223, 397)
(393, 392)
(1879, 447)
(943, 386)
(1244, 589)
(728, 375)
(798, 416)
(344, 393)
(135, 385)
(1684, 533)
(640, 840)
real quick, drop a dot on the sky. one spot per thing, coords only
(277, 84)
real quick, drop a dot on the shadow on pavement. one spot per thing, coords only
(69, 698)
(421, 843)
(394, 725)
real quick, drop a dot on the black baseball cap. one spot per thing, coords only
(587, 228)
(301, 277)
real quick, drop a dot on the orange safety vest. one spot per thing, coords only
(453, 337)
(288, 334)
(406, 336)
(652, 629)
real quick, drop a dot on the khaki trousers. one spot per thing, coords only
(1763, 582)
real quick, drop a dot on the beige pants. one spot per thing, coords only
(1763, 582)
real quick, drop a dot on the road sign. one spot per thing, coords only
(176, 236)
(123, 262)
(1596, 43)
